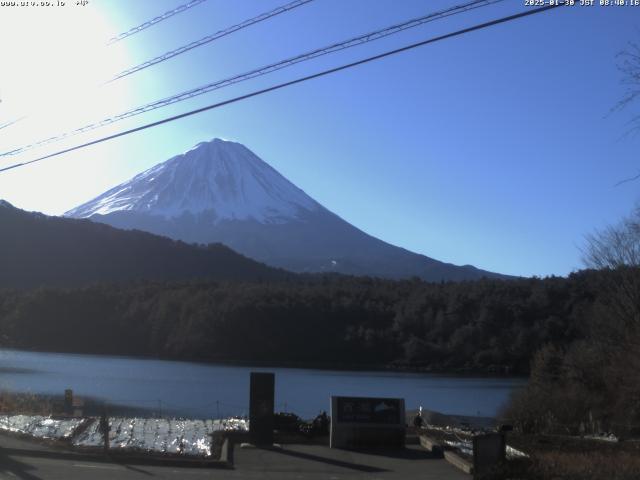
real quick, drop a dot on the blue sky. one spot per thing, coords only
(493, 149)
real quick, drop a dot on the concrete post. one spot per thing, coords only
(261, 403)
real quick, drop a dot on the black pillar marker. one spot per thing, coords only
(68, 401)
(261, 403)
(104, 429)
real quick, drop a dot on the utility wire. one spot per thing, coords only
(210, 38)
(195, 44)
(291, 82)
(155, 20)
(11, 122)
(368, 37)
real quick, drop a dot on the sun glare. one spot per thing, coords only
(54, 60)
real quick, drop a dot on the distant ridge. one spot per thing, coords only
(220, 191)
(38, 250)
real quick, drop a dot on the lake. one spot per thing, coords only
(201, 390)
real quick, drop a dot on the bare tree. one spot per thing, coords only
(617, 250)
(629, 67)
(615, 246)
(615, 326)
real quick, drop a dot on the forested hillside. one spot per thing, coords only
(487, 325)
(38, 250)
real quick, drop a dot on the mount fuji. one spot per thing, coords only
(220, 191)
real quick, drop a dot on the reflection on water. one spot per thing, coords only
(209, 391)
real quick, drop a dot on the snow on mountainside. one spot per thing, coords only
(221, 177)
(221, 192)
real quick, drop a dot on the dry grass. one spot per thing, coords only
(586, 466)
(25, 403)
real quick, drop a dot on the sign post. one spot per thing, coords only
(261, 405)
(367, 422)
(68, 401)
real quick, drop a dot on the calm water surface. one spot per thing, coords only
(207, 391)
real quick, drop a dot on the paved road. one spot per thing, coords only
(24, 460)
(31, 461)
(307, 462)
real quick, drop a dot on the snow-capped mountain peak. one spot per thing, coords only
(220, 192)
(221, 178)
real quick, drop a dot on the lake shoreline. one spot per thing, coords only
(196, 389)
(328, 366)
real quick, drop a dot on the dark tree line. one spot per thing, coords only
(37, 250)
(485, 326)
(590, 385)
(593, 384)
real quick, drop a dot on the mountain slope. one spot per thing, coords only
(37, 250)
(220, 191)
(223, 179)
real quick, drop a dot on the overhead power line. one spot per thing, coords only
(352, 42)
(153, 21)
(210, 38)
(289, 83)
(11, 122)
(192, 45)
